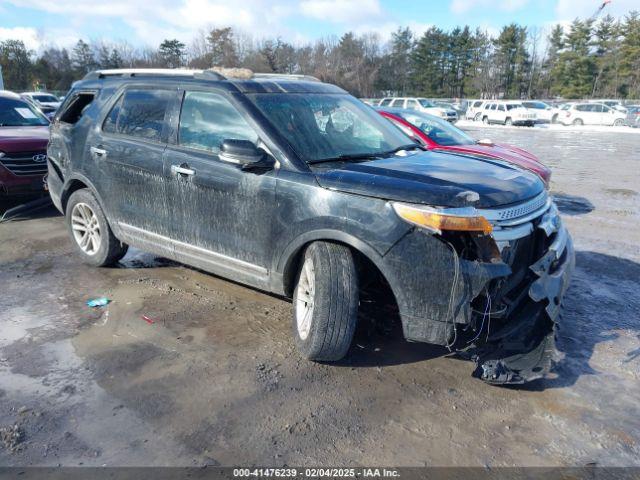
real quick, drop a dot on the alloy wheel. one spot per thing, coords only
(86, 228)
(305, 295)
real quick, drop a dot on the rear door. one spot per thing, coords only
(221, 215)
(127, 160)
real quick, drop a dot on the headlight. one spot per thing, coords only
(434, 220)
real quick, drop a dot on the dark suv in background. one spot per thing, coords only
(295, 187)
(24, 134)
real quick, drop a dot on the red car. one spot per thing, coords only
(437, 134)
(24, 134)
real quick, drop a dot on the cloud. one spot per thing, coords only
(28, 35)
(341, 11)
(459, 7)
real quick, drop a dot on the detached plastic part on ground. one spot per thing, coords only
(23, 210)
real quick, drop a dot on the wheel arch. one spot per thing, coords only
(289, 260)
(78, 182)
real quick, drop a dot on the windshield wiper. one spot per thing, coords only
(349, 156)
(368, 155)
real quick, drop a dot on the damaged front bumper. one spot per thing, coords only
(503, 312)
(523, 349)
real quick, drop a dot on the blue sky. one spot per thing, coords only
(147, 22)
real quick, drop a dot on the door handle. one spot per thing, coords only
(182, 170)
(98, 152)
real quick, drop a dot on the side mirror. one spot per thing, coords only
(245, 154)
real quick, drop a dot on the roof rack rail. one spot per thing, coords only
(286, 76)
(138, 72)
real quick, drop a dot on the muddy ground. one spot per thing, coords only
(216, 379)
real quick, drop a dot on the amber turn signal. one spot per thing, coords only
(438, 221)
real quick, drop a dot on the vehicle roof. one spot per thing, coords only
(9, 94)
(257, 83)
(37, 93)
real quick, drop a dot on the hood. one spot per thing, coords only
(433, 178)
(21, 139)
(508, 153)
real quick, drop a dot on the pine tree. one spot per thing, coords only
(630, 56)
(82, 58)
(172, 53)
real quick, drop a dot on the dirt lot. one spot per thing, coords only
(216, 380)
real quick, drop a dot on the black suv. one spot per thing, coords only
(295, 187)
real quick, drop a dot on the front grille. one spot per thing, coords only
(517, 211)
(24, 164)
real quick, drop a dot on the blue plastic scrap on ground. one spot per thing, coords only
(98, 302)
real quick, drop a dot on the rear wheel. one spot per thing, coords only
(90, 230)
(554, 119)
(485, 120)
(325, 302)
(477, 117)
(578, 122)
(508, 121)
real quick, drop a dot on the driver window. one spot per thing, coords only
(501, 108)
(207, 119)
(412, 104)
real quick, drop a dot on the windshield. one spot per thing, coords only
(426, 103)
(440, 131)
(514, 106)
(328, 126)
(45, 98)
(18, 113)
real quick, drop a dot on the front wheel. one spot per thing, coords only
(485, 120)
(578, 122)
(90, 230)
(477, 117)
(508, 122)
(618, 123)
(325, 302)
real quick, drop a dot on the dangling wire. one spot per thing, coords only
(487, 310)
(450, 312)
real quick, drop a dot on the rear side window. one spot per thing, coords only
(398, 103)
(413, 104)
(207, 119)
(139, 113)
(76, 107)
(385, 102)
(583, 108)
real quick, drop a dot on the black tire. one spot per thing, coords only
(485, 120)
(110, 249)
(333, 316)
(618, 123)
(477, 117)
(578, 122)
(554, 119)
(508, 121)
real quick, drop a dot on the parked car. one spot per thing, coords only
(450, 106)
(633, 116)
(436, 134)
(559, 109)
(295, 187)
(592, 114)
(544, 112)
(615, 104)
(47, 102)
(24, 133)
(508, 113)
(420, 104)
(474, 109)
